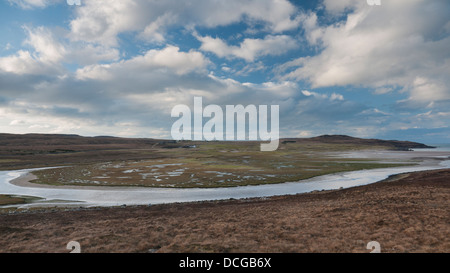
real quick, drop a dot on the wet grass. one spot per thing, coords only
(10, 200)
(223, 164)
(6, 200)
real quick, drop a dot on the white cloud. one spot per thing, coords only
(170, 58)
(397, 47)
(426, 89)
(47, 48)
(96, 71)
(332, 97)
(20, 63)
(48, 52)
(336, 96)
(249, 49)
(44, 58)
(314, 94)
(154, 32)
(334, 7)
(86, 53)
(29, 4)
(101, 21)
(399, 44)
(17, 122)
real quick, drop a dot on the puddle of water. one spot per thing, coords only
(165, 165)
(131, 171)
(174, 173)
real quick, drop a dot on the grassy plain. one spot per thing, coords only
(215, 164)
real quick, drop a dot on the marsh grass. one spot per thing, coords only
(216, 164)
(6, 200)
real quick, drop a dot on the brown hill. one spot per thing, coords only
(344, 139)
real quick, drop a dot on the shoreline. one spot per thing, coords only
(51, 207)
(44, 207)
(24, 180)
(113, 196)
(404, 213)
(419, 158)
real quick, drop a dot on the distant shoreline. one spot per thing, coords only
(24, 181)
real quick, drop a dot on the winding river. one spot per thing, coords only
(115, 196)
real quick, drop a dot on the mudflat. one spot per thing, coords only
(405, 213)
(110, 161)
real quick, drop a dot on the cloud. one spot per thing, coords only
(125, 106)
(314, 94)
(170, 58)
(30, 4)
(118, 67)
(249, 49)
(322, 113)
(47, 52)
(102, 21)
(368, 48)
(337, 7)
(47, 49)
(332, 97)
(44, 58)
(20, 63)
(155, 31)
(126, 97)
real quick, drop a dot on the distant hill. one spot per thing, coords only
(344, 139)
(67, 139)
(76, 142)
(42, 150)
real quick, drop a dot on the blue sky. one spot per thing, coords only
(334, 67)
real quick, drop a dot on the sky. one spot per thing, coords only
(118, 67)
